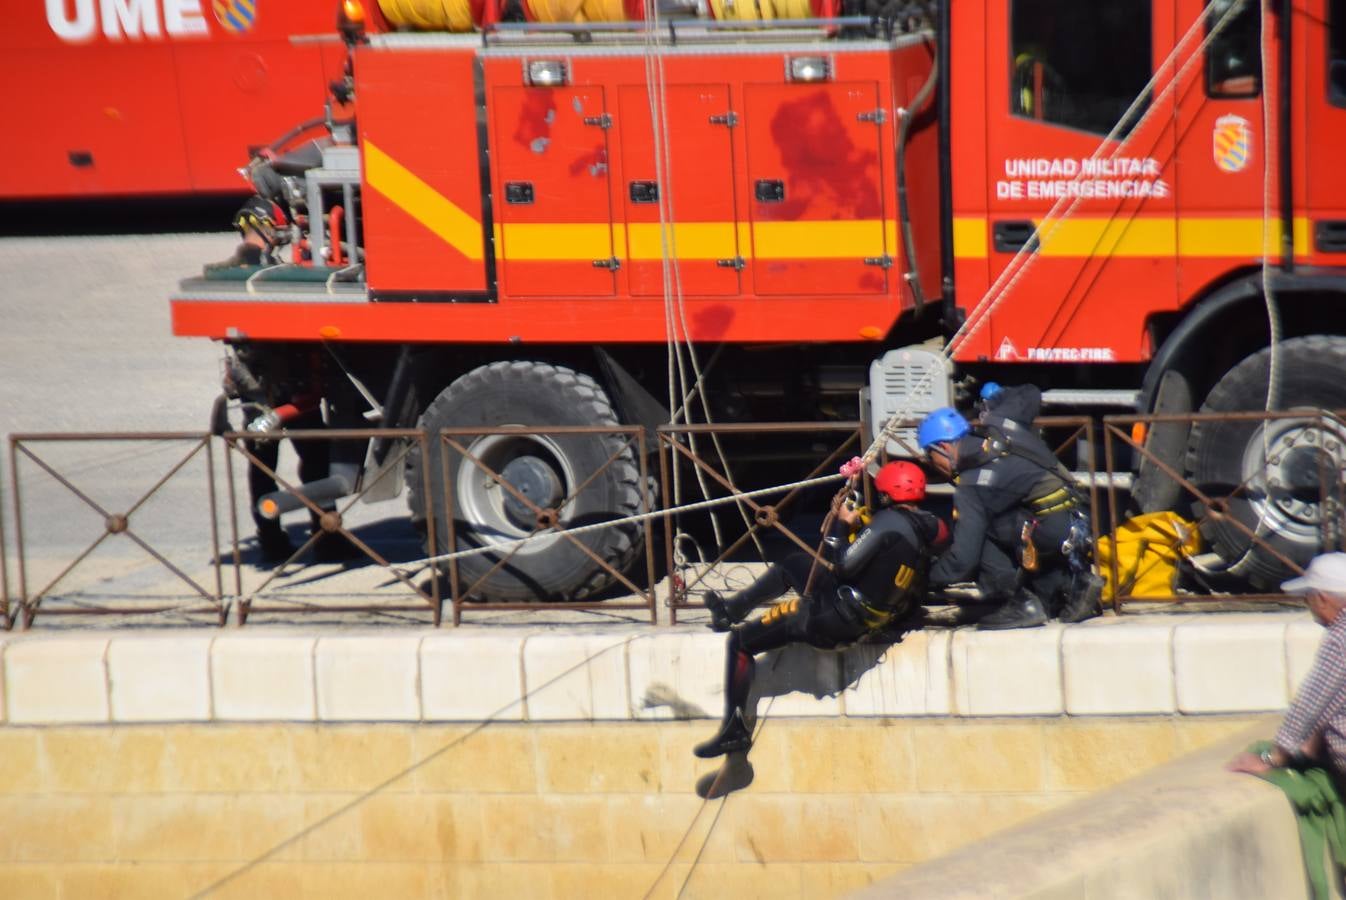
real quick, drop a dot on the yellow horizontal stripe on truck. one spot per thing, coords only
(1116, 237)
(556, 240)
(1199, 236)
(1139, 237)
(691, 240)
(832, 239)
(422, 202)
(969, 237)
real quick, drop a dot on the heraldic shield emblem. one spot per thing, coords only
(1233, 143)
(236, 16)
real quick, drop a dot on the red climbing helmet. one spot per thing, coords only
(902, 482)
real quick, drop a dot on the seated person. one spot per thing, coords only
(256, 222)
(876, 580)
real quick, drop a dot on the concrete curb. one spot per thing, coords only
(1134, 665)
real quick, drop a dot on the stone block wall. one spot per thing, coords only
(535, 810)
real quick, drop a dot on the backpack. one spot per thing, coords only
(1147, 549)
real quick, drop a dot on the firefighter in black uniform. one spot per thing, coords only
(259, 224)
(875, 581)
(1022, 526)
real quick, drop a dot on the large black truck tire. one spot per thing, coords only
(547, 468)
(1280, 463)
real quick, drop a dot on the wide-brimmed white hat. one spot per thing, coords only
(1325, 573)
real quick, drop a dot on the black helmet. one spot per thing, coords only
(261, 216)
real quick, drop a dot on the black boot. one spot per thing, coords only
(719, 613)
(1086, 592)
(734, 737)
(273, 542)
(728, 611)
(1023, 610)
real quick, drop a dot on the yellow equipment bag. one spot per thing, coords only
(1147, 548)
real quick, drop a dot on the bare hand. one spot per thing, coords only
(849, 516)
(1247, 762)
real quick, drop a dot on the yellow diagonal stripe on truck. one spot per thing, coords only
(422, 202)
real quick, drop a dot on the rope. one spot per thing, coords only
(1028, 254)
(710, 795)
(1240, 566)
(633, 518)
(382, 786)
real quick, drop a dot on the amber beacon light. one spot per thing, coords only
(351, 20)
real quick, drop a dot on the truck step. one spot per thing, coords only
(1085, 397)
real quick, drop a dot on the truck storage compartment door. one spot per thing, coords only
(550, 167)
(696, 191)
(816, 188)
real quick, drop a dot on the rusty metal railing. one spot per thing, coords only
(674, 449)
(45, 586)
(1215, 508)
(6, 619)
(329, 524)
(554, 522)
(116, 523)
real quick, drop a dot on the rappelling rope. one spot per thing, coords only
(1269, 241)
(674, 297)
(670, 272)
(1028, 254)
(626, 520)
(996, 294)
(382, 786)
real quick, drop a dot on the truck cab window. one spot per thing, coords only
(1336, 52)
(1234, 54)
(1079, 64)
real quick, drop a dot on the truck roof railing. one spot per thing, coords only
(699, 30)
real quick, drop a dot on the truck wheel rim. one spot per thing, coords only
(536, 465)
(1283, 465)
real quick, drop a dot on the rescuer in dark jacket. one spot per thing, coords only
(876, 579)
(1021, 525)
(258, 223)
(1018, 403)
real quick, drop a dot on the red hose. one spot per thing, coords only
(334, 217)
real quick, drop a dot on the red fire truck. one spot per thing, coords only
(1080, 195)
(116, 97)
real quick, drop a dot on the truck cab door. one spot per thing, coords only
(1060, 76)
(1322, 184)
(1221, 139)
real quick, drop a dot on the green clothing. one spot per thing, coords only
(1320, 813)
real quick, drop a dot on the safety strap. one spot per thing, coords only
(1005, 446)
(1057, 501)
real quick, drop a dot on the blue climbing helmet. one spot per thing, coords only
(944, 424)
(989, 390)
